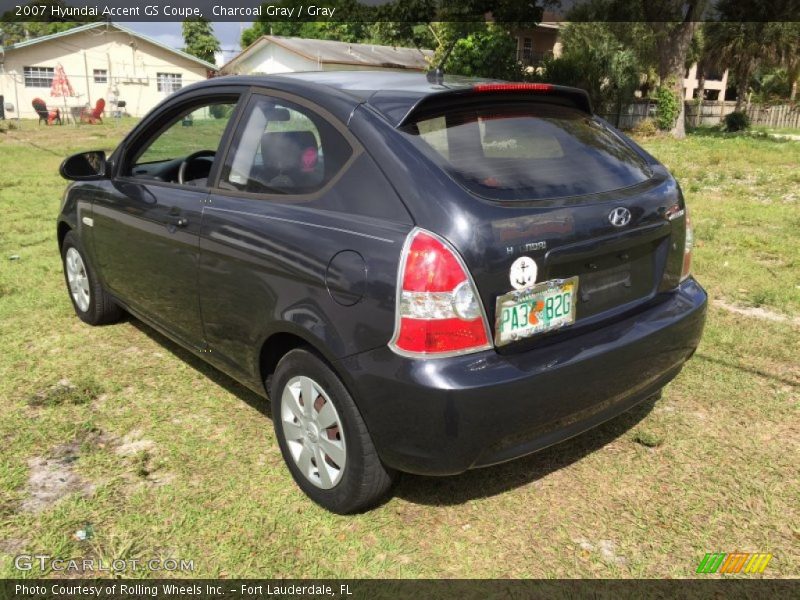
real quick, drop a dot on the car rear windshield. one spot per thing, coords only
(527, 151)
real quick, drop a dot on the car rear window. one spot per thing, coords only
(527, 151)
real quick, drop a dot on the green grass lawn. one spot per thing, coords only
(119, 430)
(778, 130)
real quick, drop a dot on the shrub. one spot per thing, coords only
(645, 127)
(668, 107)
(737, 121)
(220, 111)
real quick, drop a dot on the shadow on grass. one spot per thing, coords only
(453, 490)
(491, 481)
(226, 382)
(714, 132)
(748, 369)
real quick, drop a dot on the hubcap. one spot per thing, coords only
(313, 432)
(78, 279)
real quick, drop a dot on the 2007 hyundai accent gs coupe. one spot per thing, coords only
(422, 276)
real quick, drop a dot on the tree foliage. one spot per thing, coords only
(198, 35)
(670, 26)
(594, 59)
(351, 25)
(747, 47)
(456, 28)
(487, 50)
(15, 29)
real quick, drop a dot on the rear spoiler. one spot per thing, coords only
(400, 113)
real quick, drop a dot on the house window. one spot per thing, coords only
(38, 77)
(100, 76)
(169, 82)
(527, 48)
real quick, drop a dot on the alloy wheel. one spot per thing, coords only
(78, 279)
(313, 432)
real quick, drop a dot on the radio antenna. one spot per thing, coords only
(436, 75)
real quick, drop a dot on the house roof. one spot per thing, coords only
(100, 24)
(341, 53)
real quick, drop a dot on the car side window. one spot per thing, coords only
(195, 134)
(283, 148)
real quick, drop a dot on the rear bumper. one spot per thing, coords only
(444, 416)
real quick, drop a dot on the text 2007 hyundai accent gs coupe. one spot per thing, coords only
(423, 277)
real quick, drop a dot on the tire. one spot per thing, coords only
(362, 480)
(91, 302)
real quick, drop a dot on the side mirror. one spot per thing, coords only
(84, 166)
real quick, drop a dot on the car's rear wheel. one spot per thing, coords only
(323, 438)
(91, 302)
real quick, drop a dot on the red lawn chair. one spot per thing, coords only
(48, 116)
(94, 116)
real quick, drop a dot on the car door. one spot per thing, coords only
(146, 226)
(297, 217)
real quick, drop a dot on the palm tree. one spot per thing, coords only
(742, 47)
(787, 40)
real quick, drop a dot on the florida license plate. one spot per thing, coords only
(543, 307)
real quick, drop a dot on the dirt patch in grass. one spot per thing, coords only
(606, 549)
(133, 444)
(64, 391)
(758, 312)
(12, 546)
(147, 468)
(52, 478)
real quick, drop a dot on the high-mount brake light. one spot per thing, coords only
(512, 87)
(439, 312)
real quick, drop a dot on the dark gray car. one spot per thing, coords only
(422, 277)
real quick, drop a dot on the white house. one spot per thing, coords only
(101, 60)
(278, 54)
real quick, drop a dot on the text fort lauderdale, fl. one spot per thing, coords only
(167, 10)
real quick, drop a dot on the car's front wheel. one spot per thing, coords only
(323, 438)
(91, 302)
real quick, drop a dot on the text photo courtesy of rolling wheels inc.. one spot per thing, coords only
(371, 299)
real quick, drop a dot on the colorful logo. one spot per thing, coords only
(734, 562)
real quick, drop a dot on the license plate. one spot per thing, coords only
(543, 307)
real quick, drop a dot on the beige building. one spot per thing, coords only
(716, 82)
(271, 54)
(538, 43)
(101, 60)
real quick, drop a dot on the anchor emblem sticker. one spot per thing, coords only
(523, 272)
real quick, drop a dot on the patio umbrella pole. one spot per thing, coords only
(61, 87)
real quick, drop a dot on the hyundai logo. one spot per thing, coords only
(619, 217)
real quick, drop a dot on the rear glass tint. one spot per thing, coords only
(528, 151)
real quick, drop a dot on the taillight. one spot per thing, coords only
(687, 247)
(439, 312)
